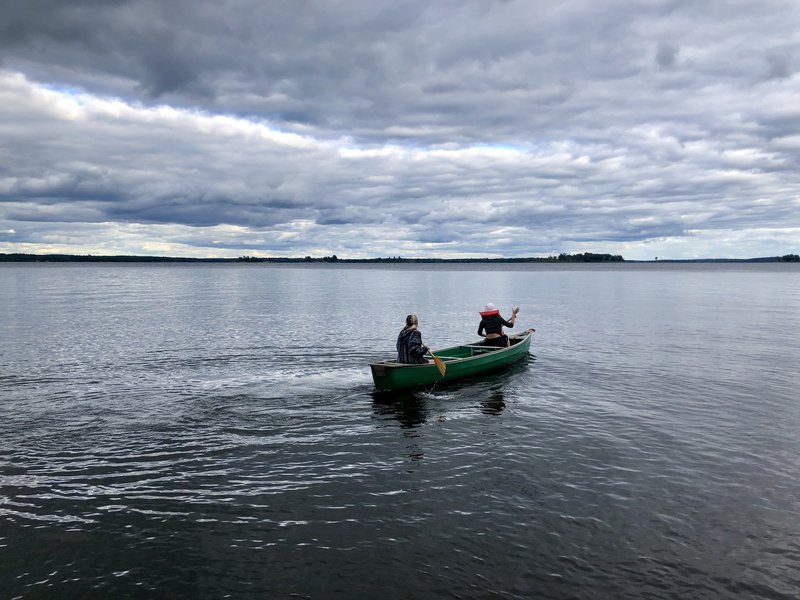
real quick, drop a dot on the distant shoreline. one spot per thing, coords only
(587, 257)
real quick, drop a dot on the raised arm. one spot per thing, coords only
(513, 319)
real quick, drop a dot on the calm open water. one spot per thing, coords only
(202, 431)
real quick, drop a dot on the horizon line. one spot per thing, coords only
(587, 257)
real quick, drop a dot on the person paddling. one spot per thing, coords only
(492, 324)
(409, 343)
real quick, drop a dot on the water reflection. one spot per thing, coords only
(494, 404)
(406, 407)
(411, 408)
(409, 411)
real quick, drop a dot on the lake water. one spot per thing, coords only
(211, 431)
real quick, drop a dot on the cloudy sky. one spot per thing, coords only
(449, 128)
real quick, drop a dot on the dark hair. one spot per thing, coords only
(411, 320)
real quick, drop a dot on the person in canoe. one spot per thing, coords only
(491, 326)
(410, 348)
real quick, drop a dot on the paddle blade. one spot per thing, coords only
(439, 364)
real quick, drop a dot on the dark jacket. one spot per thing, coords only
(410, 348)
(493, 324)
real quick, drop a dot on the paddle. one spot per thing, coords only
(439, 362)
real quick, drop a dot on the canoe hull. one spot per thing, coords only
(468, 360)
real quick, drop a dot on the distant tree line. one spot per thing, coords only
(101, 258)
(763, 259)
(590, 257)
(586, 257)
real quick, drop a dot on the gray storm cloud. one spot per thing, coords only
(472, 128)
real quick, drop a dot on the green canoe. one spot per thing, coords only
(463, 361)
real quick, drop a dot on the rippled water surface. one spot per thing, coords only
(212, 431)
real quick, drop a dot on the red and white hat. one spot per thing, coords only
(489, 310)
